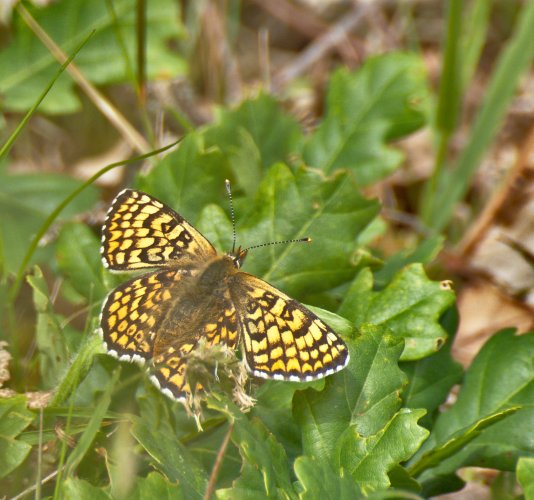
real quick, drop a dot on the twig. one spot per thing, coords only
(306, 23)
(264, 57)
(475, 234)
(130, 134)
(217, 465)
(22, 494)
(301, 20)
(141, 48)
(322, 45)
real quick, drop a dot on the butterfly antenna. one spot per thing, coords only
(283, 242)
(229, 191)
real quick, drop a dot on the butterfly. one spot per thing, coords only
(191, 292)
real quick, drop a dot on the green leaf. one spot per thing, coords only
(274, 408)
(155, 432)
(25, 202)
(340, 325)
(12, 454)
(78, 370)
(410, 306)
(14, 418)
(93, 426)
(493, 387)
(393, 494)
(83, 490)
(189, 178)
(50, 334)
(28, 65)
(364, 395)
(253, 137)
(78, 255)
(458, 441)
(8, 144)
(205, 445)
(318, 480)
(369, 459)
(248, 486)
(384, 100)
(402, 480)
(424, 253)
(305, 204)
(525, 476)
(156, 486)
(215, 225)
(124, 478)
(431, 380)
(265, 470)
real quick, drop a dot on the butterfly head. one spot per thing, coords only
(238, 256)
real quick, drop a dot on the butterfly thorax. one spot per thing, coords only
(217, 272)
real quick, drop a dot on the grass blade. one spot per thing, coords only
(515, 59)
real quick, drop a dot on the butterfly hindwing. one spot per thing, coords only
(223, 328)
(141, 232)
(282, 339)
(131, 314)
(215, 323)
(169, 373)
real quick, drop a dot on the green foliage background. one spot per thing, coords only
(377, 428)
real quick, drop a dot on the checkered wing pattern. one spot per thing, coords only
(169, 373)
(141, 232)
(282, 339)
(132, 312)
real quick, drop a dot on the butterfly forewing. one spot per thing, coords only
(282, 339)
(141, 232)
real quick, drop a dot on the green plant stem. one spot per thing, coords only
(448, 101)
(449, 89)
(473, 39)
(63, 452)
(39, 458)
(140, 29)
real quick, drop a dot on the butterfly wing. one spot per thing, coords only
(212, 318)
(169, 371)
(132, 312)
(141, 232)
(282, 339)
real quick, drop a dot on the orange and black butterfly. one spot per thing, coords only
(190, 293)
